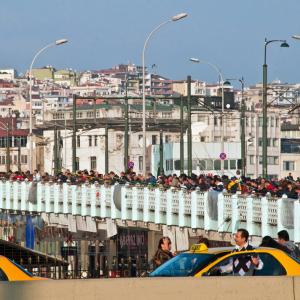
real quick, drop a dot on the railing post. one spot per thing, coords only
(221, 213)
(264, 217)
(137, 193)
(83, 199)
(66, 198)
(16, 185)
(297, 221)
(235, 213)
(249, 221)
(285, 215)
(39, 198)
(23, 196)
(126, 203)
(115, 213)
(8, 195)
(2, 194)
(172, 208)
(56, 198)
(74, 200)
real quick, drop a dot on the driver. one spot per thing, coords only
(243, 265)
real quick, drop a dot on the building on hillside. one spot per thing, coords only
(8, 74)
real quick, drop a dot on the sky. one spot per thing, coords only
(104, 33)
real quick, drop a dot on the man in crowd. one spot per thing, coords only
(284, 239)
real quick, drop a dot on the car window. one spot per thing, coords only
(3, 276)
(272, 267)
(184, 264)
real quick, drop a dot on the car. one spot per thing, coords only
(191, 262)
(11, 271)
(200, 261)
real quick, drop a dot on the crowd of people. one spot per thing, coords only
(204, 182)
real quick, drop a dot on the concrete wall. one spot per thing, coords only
(272, 288)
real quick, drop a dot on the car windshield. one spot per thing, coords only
(21, 268)
(184, 264)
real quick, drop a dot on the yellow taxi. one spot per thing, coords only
(11, 271)
(200, 261)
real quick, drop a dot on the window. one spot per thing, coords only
(90, 140)
(169, 165)
(3, 276)
(93, 163)
(202, 138)
(210, 164)
(140, 163)
(2, 160)
(288, 166)
(251, 159)
(268, 142)
(177, 165)
(202, 165)
(167, 139)
(78, 141)
(24, 159)
(217, 164)
(226, 164)
(215, 121)
(95, 140)
(260, 121)
(77, 163)
(154, 139)
(232, 164)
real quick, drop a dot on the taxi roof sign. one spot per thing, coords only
(198, 247)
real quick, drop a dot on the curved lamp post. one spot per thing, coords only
(217, 69)
(173, 19)
(56, 43)
(283, 44)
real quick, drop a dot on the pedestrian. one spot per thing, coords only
(243, 265)
(284, 239)
(269, 242)
(163, 252)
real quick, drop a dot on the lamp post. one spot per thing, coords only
(173, 19)
(56, 43)
(242, 122)
(265, 106)
(217, 69)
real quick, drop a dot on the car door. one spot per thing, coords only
(271, 266)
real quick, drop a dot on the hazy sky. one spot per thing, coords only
(104, 33)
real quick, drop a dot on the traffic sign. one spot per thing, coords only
(222, 156)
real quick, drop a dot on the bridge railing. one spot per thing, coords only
(211, 211)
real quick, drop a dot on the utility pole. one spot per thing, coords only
(181, 137)
(106, 149)
(126, 137)
(243, 129)
(55, 156)
(161, 153)
(74, 136)
(19, 154)
(189, 129)
(7, 148)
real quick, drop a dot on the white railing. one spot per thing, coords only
(211, 211)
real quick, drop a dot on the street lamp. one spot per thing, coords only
(217, 69)
(56, 43)
(242, 122)
(283, 44)
(296, 37)
(173, 19)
